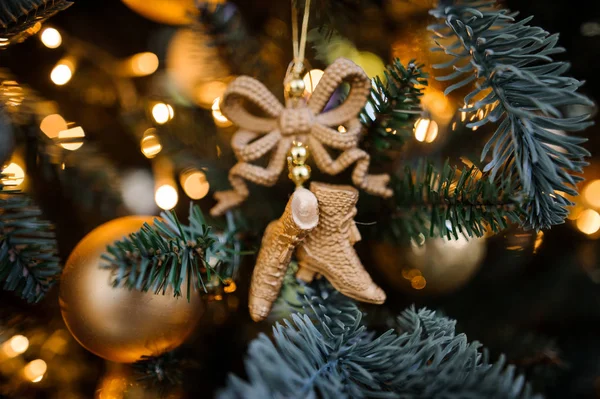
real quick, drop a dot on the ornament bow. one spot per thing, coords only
(298, 121)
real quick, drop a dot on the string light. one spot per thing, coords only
(166, 197)
(150, 143)
(194, 183)
(311, 79)
(220, 119)
(63, 72)
(15, 346)
(73, 133)
(34, 370)
(162, 113)
(588, 222)
(51, 38)
(591, 193)
(426, 130)
(143, 64)
(341, 129)
(52, 125)
(15, 175)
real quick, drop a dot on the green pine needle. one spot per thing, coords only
(169, 255)
(511, 63)
(16, 16)
(393, 107)
(28, 254)
(429, 203)
(328, 353)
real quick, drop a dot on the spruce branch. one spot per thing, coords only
(169, 255)
(393, 107)
(517, 78)
(449, 202)
(17, 16)
(161, 371)
(28, 254)
(317, 355)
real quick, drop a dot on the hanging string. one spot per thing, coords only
(299, 45)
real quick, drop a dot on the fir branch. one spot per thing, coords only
(161, 371)
(28, 254)
(450, 202)
(516, 76)
(17, 16)
(168, 255)
(393, 107)
(338, 358)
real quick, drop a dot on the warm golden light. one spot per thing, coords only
(15, 175)
(591, 193)
(311, 79)
(418, 282)
(166, 197)
(220, 119)
(194, 183)
(15, 346)
(588, 222)
(150, 143)
(71, 134)
(4, 42)
(229, 286)
(205, 94)
(144, 64)
(426, 130)
(62, 72)
(52, 125)
(162, 113)
(34, 371)
(51, 38)
(341, 129)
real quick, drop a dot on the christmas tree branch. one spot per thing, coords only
(169, 255)
(28, 254)
(429, 202)
(17, 16)
(393, 107)
(336, 357)
(511, 63)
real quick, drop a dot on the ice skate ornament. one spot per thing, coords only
(300, 120)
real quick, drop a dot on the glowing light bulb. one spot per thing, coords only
(220, 119)
(15, 346)
(591, 193)
(62, 72)
(73, 133)
(51, 38)
(311, 79)
(52, 125)
(426, 130)
(15, 175)
(166, 197)
(588, 222)
(34, 370)
(150, 143)
(194, 183)
(162, 113)
(143, 64)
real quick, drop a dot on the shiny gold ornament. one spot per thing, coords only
(296, 87)
(171, 12)
(299, 154)
(300, 174)
(437, 267)
(118, 324)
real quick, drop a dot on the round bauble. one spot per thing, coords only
(437, 267)
(171, 12)
(119, 324)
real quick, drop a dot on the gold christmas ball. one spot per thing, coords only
(296, 87)
(300, 173)
(119, 324)
(437, 267)
(171, 12)
(299, 154)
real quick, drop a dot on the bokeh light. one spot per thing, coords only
(588, 222)
(62, 72)
(15, 175)
(51, 38)
(137, 190)
(194, 183)
(15, 346)
(144, 64)
(311, 79)
(166, 197)
(150, 144)
(34, 370)
(162, 113)
(426, 130)
(591, 193)
(52, 125)
(220, 119)
(73, 133)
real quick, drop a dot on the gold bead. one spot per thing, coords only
(299, 154)
(296, 87)
(300, 174)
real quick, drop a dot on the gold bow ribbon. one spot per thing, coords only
(302, 121)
